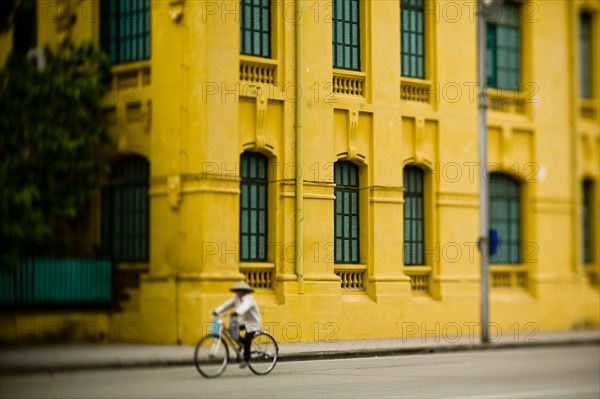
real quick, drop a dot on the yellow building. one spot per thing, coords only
(327, 152)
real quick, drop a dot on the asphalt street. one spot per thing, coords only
(550, 372)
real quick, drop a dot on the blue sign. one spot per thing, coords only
(494, 242)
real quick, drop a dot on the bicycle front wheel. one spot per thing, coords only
(263, 353)
(211, 356)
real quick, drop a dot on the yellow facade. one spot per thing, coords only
(196, 105)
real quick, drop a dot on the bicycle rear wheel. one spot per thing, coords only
(211, 356)
(263, 353)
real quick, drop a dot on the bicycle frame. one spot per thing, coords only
(231, 342)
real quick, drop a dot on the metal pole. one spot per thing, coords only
(299, 148)
(483, 175)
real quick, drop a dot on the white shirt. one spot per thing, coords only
(246, 308)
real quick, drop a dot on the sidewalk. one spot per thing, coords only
(99, 356)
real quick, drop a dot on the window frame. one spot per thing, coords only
(118, 196)
(266, 33)
(514, 199)
(416, 219)
(347, 193)
(354, 60)
(586, 56)
(409, 8)
(116, 22)
(587, 219)
(496, 30)
(259, 180)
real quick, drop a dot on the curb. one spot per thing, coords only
(302, 356)
(383, 352)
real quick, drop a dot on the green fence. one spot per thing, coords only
(49, 282)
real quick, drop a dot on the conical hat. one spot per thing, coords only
(242, 286)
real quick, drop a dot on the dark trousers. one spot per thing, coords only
(246, 341)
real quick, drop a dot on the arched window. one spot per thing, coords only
(505, 217)
(346, 225)
(414, 216)
(253, 207)
(125, 211)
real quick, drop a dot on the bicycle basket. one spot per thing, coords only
(215, 327)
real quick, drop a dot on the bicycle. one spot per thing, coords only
(212, 355)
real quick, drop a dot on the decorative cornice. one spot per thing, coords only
(176, 185)
(462, 200)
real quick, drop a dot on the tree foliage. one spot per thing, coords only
(53, 142)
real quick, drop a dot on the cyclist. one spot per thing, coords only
(245, 307)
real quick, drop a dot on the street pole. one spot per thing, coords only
(483, 175)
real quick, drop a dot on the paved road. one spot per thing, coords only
(555, 372)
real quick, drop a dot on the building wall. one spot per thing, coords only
(192, 115)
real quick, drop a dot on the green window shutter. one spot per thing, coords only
(346, 218)
(412, 22)
(43, 282)
(346, 34)
(414, 234)
(587, 195)
(505, 217)
(254, 207)
(504, 48)
(125, 29)
(255, 27)
(125, 212)
(585, 50)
